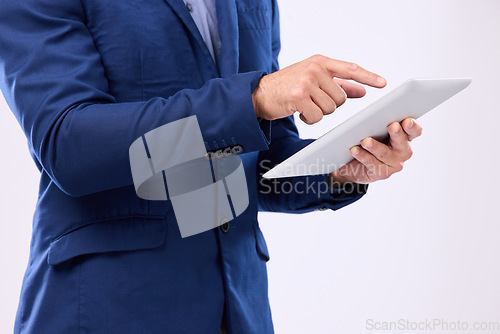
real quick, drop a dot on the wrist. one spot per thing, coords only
(255, 101)
(259, 97)
(336, 180)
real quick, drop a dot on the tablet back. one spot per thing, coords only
(331, 151)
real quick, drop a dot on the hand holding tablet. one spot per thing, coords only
(330, 152)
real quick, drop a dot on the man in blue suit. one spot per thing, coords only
(85, 79)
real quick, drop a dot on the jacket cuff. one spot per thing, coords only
(335, 198)
(248, 133)
(265, 127)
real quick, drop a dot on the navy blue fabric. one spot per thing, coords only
(87, 78)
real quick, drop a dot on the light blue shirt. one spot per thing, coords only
(204, 15)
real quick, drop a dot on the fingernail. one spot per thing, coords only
(355, 151)
(381, 81)
(412, 123)
(368, 143)
(392, 129)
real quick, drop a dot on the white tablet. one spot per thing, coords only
(331, 151)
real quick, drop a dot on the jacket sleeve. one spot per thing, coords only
(53, 80)
(296, 194)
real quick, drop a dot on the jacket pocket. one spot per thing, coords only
(124, 234)
(260, 243)
(254, 15)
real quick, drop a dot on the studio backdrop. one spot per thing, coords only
(422, 247)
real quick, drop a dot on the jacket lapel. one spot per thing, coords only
(180, 9)
(227, 17)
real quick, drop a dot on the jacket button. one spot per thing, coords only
(218, 154)
(189, 6)
(224, 227)
(237, 149)
(227, 152)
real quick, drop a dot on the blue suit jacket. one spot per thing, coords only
(85, 79)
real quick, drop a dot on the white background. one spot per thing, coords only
(424, 244)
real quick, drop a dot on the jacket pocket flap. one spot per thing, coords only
(109, 236)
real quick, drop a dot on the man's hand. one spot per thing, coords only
(308, 87)
(374, 160)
